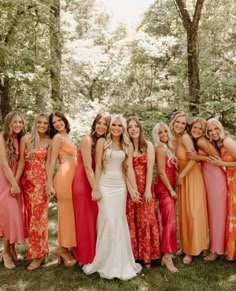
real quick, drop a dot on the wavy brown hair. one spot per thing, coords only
(12, 155)
(93, 133)
(142, 143)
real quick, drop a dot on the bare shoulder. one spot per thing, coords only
(186, 137)
(160, 150)
(149, 144)
(86, 140)
(101, 141)
(229, 141)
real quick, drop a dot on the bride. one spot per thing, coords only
(114, 257)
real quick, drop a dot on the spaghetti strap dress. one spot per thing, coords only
(12, 225)
(63, 187)
(192, 207)
(231, 205)
(86, 212)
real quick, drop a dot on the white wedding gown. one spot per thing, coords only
(114, 257)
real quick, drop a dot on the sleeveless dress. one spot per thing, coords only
(231, 203)
(86, 211)
(63, 187)
(192, 207)
(167, 210)
(216, 188)
(11, 208)
(36, 201)
(114, 257)
(142, 218)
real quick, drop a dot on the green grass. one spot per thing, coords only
(199, 275)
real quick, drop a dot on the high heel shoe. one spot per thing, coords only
(66, 258)
(16, 257)
(36, 263)
(8, 262)
(167, 261)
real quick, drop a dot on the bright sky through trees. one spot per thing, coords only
(128, 11)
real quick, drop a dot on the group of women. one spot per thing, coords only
(99, 225)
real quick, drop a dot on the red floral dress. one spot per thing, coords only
(142, 218)
(36, 202)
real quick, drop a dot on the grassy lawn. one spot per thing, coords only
(199, 275)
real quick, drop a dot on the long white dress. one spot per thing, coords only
(114, 256)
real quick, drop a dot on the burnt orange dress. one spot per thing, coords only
(63, 187)
(192, 207)
(231, 204)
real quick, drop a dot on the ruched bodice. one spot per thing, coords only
(113, 160)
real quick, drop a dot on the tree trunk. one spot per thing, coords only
(191, 27)
(5, 96)
(55, 48)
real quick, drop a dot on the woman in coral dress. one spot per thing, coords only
(85, 194)
(191, 193)
(227, 147)
(11, 200)
(142, 216)
(216, 188)
(64, 151)
(164, 188)
(35, 152)
(114, 256)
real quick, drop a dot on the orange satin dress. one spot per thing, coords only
(231, 204)
(63, 187)
(192, 207)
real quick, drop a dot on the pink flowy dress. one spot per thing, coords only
(216, 188)
(11, 208)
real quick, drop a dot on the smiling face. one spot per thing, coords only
(180, 124)
(163, 134)
(197, 130)
(213, 131)
(133, 129)
(17, 124)
(42, 125)
(116, 128)
(101, 127)
(58, 124)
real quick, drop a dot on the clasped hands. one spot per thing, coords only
(50, 191)
(96, 195)
(135, 195)
(15, 190)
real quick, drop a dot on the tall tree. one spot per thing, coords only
(55, 49)
(191, 26)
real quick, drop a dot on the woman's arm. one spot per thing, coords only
(188, 145)
(99, 151)
(56, 144)
(21, 164)
(86, 151)
(206, 147)
(149, 175)
(49, 153)
(161, 168)
(230, 146)
(15, 189)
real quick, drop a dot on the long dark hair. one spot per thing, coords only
(52, 130)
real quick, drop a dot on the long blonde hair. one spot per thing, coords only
(169, 147)
(223, 133)
(34, 138)
(12, 155)
(124, 140)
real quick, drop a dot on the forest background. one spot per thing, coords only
(67, 55)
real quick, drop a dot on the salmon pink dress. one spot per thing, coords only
(86, 212)
(63, 187)
(142, 218)
(167, 209)
(216, 188)
(231, 203)
(192, 207)
(36, 201)
(11, 208)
